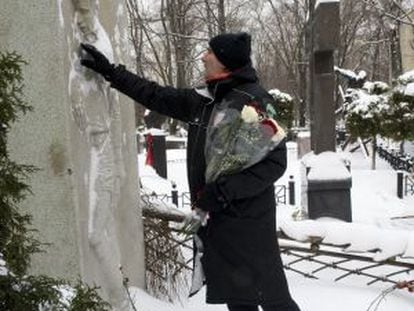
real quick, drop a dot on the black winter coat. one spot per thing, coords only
(241, 257)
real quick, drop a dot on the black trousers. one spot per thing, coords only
(289, 307)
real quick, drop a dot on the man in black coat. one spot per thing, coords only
(240, 253)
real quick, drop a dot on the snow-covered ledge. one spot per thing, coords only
(354, 237)
(327, 165)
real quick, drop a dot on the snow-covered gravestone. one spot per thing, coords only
(81, 136)
(327, 192)
(325, 36)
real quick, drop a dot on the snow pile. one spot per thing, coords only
(152, 183)
(354, 237)
(153, 189)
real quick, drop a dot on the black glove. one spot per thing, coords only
(211, 199)
(96, 61)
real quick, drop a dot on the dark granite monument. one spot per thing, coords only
(327, 195)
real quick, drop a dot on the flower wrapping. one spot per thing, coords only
(237, 139)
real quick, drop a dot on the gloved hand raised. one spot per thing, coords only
(96, 61)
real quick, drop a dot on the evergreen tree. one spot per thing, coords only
(19, 291)
(366, 107)
(284, 108)
(400, 122)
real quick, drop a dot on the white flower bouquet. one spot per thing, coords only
(237, 140)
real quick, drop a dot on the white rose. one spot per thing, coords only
(249, 114)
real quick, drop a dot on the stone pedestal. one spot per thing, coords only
(81, 136)
(326, 186)
(330, 198)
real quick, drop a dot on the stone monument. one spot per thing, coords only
(81, 136)
(325, 37)
(326, 181)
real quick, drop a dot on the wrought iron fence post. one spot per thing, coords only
(400, 184)
(406, 185)
(174, 194)
(291, 190)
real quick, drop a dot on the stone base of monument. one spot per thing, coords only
(330, 198)
(326, 186)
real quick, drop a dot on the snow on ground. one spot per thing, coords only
(374, 204)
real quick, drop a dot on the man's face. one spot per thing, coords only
(212, 66)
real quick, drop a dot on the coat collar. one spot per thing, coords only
(217, 89)
(240, 76)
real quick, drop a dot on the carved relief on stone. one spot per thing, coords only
(85, 19)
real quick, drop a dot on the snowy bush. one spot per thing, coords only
(376, 109)
(284, 107)
(400, 124)
(365, 112)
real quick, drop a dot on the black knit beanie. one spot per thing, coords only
(232, 49)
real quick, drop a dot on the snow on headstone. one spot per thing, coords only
(327, 165)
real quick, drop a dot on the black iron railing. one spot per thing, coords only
(409, 185)
(397, 160)
(183, 199)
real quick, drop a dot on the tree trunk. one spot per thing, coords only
(221, 17)
(395, 53)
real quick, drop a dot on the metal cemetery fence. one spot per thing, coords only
(397, 160)
(409, 185)
(404, 163)
(183, 199)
